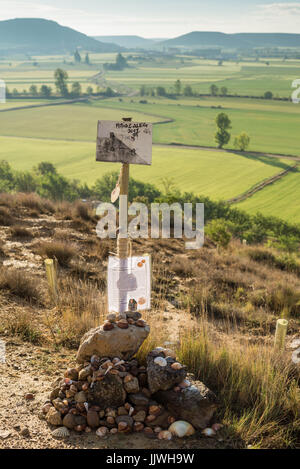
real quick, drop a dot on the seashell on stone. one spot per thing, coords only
(140, 323)
(150, 418)
(176, 366)
(61, 432)
(165, 435)
(158, 429)
(110, 420)
(111, 413)
(148, 430)
(123, 426)
(208, 432)
(181, 428)
(154, 410)
(113, 431)
(102, 431)
(108, 326)
(217, 426)
(169, 353)
(123, 324)
(160, 361)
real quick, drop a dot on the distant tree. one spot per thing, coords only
(121, 62)
(45, 91)
(87, 59)
(33, 90)
(6, 176)
(242, 141)
(15, 92)
(223, 91)
(268, 95)
(222, 135)
(61, 77)
(77, 56)
(76, 89)
(220, 63)
(89, 90)
(109, 92)
(214, 90)
(177, 87)
(188, 90)
(161, 91)
(143, 90)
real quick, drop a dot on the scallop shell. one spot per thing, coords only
(160, 361)
(61, 432)
(181, 428)
(208, 432)
(176, 366)
(102, 431)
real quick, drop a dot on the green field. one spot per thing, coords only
(245, 77)
(191, 169)
(273, 126)
(281, 199)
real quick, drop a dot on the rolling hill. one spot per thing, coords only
(130, 42)
(232, 41)
(40, 36)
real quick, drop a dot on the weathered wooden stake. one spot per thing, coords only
(122, 242)
(280, 334)
(52, 278)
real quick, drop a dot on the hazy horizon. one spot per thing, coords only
(166, 19)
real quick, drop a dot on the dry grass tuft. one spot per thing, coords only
(258, 393)
(5, 217)
(20, 284)
(18, 231)
(62, 251)
(22, 324)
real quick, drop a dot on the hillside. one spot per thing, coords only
(40, 36)
(129, 42)
(222, 305)
(233, 41)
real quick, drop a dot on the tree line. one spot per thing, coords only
(222, 220)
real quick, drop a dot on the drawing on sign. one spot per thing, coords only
(124, 142)
(129, 284)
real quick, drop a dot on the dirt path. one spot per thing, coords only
(262, 185)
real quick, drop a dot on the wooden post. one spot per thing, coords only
(280, 334)
(122, 242)
(52, 278)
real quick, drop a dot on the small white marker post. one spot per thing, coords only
(280, 334)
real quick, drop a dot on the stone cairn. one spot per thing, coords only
(110, 392)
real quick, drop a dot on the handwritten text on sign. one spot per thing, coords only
(124, 142)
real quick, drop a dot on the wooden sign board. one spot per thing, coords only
(124, 142)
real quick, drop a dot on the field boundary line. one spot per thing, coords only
(261, 185)
(31, 106)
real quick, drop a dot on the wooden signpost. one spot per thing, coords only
(125, 142)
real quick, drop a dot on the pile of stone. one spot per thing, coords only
(110, 392)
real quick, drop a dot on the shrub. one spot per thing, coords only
(218, 232)
(21, 323)
(20, 232)
(20, 284)
(59, 250)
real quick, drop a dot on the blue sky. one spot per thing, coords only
(161, 18)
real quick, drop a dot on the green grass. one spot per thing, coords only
(281, 199)
(192, 170)
(272, 127)
(67, 122)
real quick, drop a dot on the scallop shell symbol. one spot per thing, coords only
(160, 361)
(61, 432)
(181, 428)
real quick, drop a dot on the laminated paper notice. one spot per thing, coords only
(129, 283)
